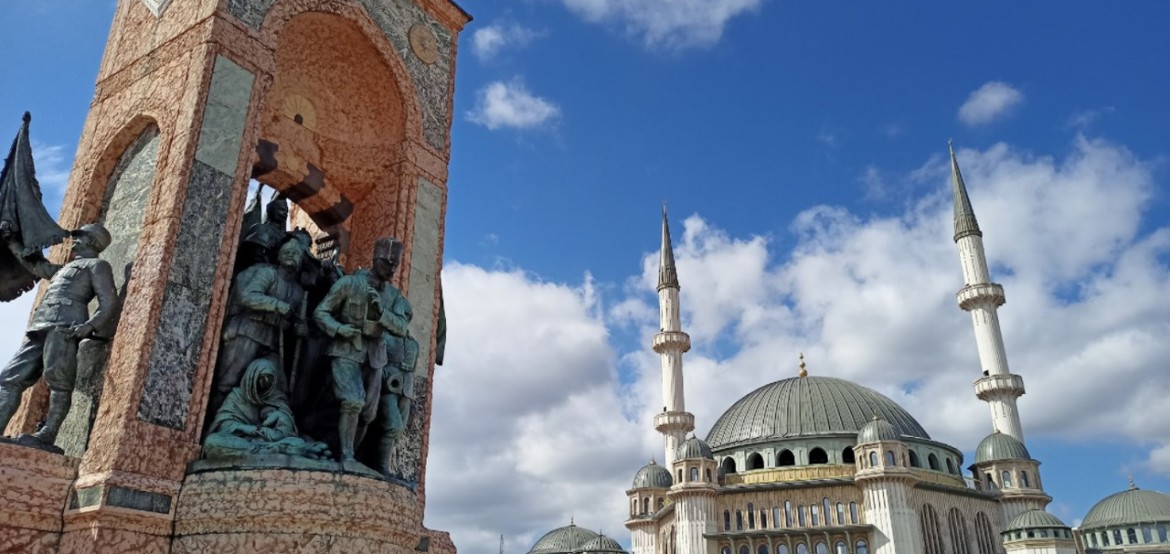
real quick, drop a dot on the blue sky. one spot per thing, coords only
(800, 147)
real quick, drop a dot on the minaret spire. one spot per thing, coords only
(674, 422)
(982, 298)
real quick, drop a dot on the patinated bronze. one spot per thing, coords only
(60, 321)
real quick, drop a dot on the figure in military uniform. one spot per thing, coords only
(262, 240)
(60, 321)
(372, 353)
(265, 301)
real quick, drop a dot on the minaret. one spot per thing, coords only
(982, 298)
(674, 422)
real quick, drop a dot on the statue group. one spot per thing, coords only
(313, 363)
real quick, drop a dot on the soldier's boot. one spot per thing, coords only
(58, 408)
(385, 451)
(9, 402)
(347, 432)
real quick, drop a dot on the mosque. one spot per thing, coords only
(820, 465)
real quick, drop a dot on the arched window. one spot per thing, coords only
(694, 474)
(763, 519)
(931, 537)
(751, 516)
(1024, 480)
(728, 465)
(840, 548)
(679, 480)
(782, 549)
(776, 516)
(1105, 538)
(726, 520)
(707, 475)
(755, 461)
(1131, 534)
(814, 513)
(914, 459)
(738, 520)
(890, 459)
(763, 549)
(645, 505)
(983, 536)
(818, 456)
(932, 461)
(960, 540)
(853, 513)
(1162, 534)
(847, 456)
(788, 513)
(1147, 534)
(801, 548)
(800, 515)
(840, 513)
(821, 548)
(1006, 477)
(950, 466)
(873, 460)
(1117, 536)
(828, 507)
(990, 482)
(725, 550)
(745, 550)
(861, 548)
(786, 458)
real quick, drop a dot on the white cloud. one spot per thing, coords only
(509, 104)
(487, 42)
(53, 164)
(989, 102)
(672, 25)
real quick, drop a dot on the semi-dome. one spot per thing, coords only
(652, 476)
(564, 540)
(1035, 519)
(806, 407)
(603, 544)
(1129, 507)
(1000, 446)
(877, 430)
(694, 448)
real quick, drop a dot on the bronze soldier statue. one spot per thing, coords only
(265, 301)
(372, 352)
(60, 321)
(262, 240)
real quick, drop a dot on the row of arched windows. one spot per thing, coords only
(1149, 535)
(790, 516)
(1005, 480)
(820, 547)
(693, 475)
(645, 505)
(816, 456)
(932, 537)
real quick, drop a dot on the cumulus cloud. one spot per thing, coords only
(989, 102)
(869, 298)
(487, 42)
(673, 25)
(503, 104)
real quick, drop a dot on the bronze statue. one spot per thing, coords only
(261, 241)
(372, 353)
(255, 419)
(60, 321)
(266, 300)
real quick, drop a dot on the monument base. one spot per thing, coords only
(36, 487)
(297, 510)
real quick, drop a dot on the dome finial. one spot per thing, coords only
(1132, 486)
(803, 370)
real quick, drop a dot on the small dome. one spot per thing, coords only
(1035, 519)
(565, 540)
(693, 448)
(652, 476)
(807, 407)
(877, 430)
(1129, 507)
(1000, 446)
(603, 544)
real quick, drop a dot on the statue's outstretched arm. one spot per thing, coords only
(102, 280)
(37, 265)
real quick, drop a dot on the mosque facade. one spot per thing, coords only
(820, 465)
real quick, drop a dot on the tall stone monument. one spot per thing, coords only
(344, 107)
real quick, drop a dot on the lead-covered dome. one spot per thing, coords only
(1035, 519)
(652, 476)
(603, 545)
(805, 407)
(1129, 507)
(1000, 446)
(877, 430)
(565, 540)
(694, 448)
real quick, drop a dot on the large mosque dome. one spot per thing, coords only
(1130, 507)
(807, 406)
(563, 540)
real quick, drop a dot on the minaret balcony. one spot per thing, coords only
(972, 296)
(674, 421)
(671, 341)
(991, 386)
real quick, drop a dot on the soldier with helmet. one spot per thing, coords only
(60, 321)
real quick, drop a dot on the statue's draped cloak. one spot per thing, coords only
(22, 209)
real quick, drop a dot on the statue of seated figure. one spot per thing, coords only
(255, 419)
